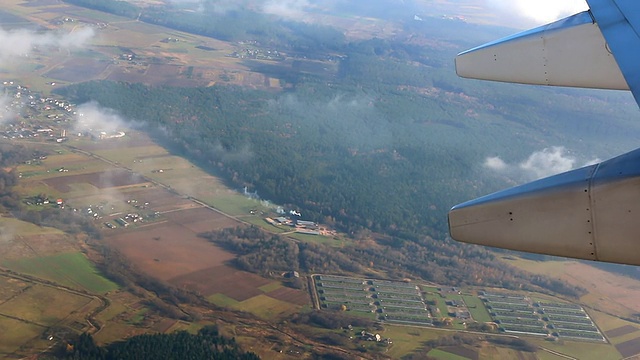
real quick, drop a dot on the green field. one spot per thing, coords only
(407, 339)
(70, 269)
(222, 300)
(233, 203)
(439, 354)
(271, 287)
(476, 308)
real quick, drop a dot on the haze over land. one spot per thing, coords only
(347, 112)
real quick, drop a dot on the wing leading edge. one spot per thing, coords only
(590, 213)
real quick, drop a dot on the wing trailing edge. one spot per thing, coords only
(570, 52)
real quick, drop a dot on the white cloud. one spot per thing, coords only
(537, 11)
(92, 117)
(7, 111)
(21, 42)
(291, 9)
(547, 162)
(539, 164)
(495, 163)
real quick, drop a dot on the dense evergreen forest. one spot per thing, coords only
(206, 344)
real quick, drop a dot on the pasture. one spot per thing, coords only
(445, 355)
(70, 269)
(15, 334)
(28, 309)
(407, 339)
(476, 308)
(580, 349)
(43, 305)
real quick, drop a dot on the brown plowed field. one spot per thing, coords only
(163, 325)
(290, 295)
(168, 250)
(621, 331)
(101, 180)
(160, 199)
(629, 348)
(236, 284)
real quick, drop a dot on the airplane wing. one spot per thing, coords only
(590, 213)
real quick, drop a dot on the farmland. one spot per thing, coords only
(185, 61)
(173, 201)
(160, 238)
(28, 309)
(69, 269)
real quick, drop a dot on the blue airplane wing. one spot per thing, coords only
(619, 22)
(589, 213)
(599, 48)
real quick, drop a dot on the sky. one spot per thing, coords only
(536, 12)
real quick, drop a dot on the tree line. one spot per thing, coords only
(206, 344)
(441, 262)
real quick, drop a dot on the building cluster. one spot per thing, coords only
(26, 114)
(258, 54)
(300, 226)
(520, 315)
(404, 303)
(392, 301)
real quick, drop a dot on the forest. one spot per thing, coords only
(206, 344)
(437, 261)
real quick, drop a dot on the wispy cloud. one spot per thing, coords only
(539, 164)
(22, 42)
(289, 9)
(93, 117)
(7, 111)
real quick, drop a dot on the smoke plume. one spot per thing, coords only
(92, 117)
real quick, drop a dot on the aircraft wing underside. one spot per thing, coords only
(590, 213)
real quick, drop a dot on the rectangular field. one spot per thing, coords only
(293, 296)
(16, 333)
(168, 250)
(101, 180)
(70, 269)
(266, 307)
(476, 308)
(233, 283)
(44, 305)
